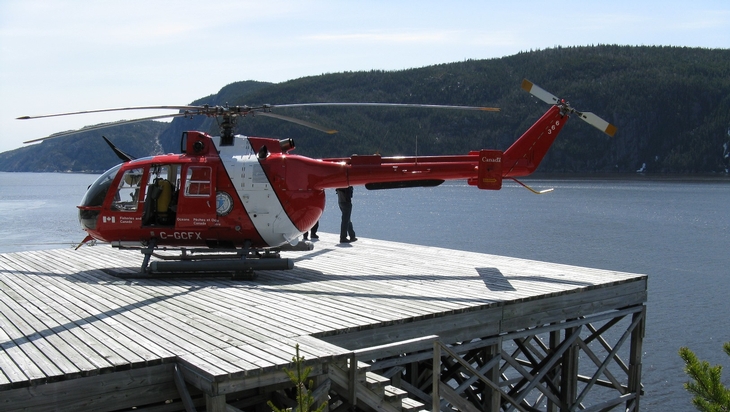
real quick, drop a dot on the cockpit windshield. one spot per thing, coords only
(97, 191)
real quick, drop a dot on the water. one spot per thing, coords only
(677, 232)
(38, 210)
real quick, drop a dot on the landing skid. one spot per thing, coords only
(206, 262)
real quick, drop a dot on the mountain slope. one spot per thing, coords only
(671, 106)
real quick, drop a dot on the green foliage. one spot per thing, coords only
(671, 106)
(709, 393)
(305, 400)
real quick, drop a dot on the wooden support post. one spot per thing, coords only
(322, 388)
(554, 343)
(491, 398)
(436, 372)
(352, 381)
(215, 403)
(569, 377)
(637, 338)
(185, 397)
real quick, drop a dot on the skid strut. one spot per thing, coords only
(240, 263)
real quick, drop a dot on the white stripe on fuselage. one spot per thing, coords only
(255, 191)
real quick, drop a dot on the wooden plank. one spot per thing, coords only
(5, 382)
(34, 349)
(246, 362)
(116, 390)
(165, 331)
(451, 328)
(556, 308)
(217, 302)
(241, 383)
(260, 359)
(103, 324)
(82, 354)
(317, 347)
(110, 337)
(11, 373)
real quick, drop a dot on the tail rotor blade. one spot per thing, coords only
(598, 123)
(565, 108)
(539, 92)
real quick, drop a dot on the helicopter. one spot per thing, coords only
(231, 203)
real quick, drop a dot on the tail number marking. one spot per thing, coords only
(181, 235)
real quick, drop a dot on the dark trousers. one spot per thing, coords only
(346, 225)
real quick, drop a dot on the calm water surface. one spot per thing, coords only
(676, 232)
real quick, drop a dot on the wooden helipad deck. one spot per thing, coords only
(74, 335)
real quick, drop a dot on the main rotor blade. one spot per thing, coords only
(418, 106)
(118, 109)
(297, 121)
(104, 126)
(214, 111)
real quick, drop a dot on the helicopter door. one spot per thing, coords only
(160, 203)
(196, 206)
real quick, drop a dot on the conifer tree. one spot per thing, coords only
(709, 393)
(305, 400)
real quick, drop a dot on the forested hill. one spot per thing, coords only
(671, 106)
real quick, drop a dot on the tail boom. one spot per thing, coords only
(484, 168)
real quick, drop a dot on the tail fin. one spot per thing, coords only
(523, 157)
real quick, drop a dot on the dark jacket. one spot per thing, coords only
(344, 195)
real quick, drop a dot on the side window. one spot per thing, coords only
(127, 197)
(198, 181)
(158, 173)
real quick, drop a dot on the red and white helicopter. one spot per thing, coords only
(251, 197)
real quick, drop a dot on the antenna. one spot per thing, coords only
(416, 157)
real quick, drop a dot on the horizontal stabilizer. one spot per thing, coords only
(489, 176)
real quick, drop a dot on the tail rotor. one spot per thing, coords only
(547, 97)
(524, 156)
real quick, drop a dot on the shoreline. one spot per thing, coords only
(648, 177)
(629, 176)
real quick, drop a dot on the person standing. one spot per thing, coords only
(313, 230)
(344, 200)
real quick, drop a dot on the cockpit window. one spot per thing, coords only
(127, 197)
(96, 193)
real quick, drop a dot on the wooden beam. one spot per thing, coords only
(182, 388)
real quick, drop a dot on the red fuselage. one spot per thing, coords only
(253, 192)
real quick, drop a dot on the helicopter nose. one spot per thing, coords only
(88, 217)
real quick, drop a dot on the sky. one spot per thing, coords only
(74, 55)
